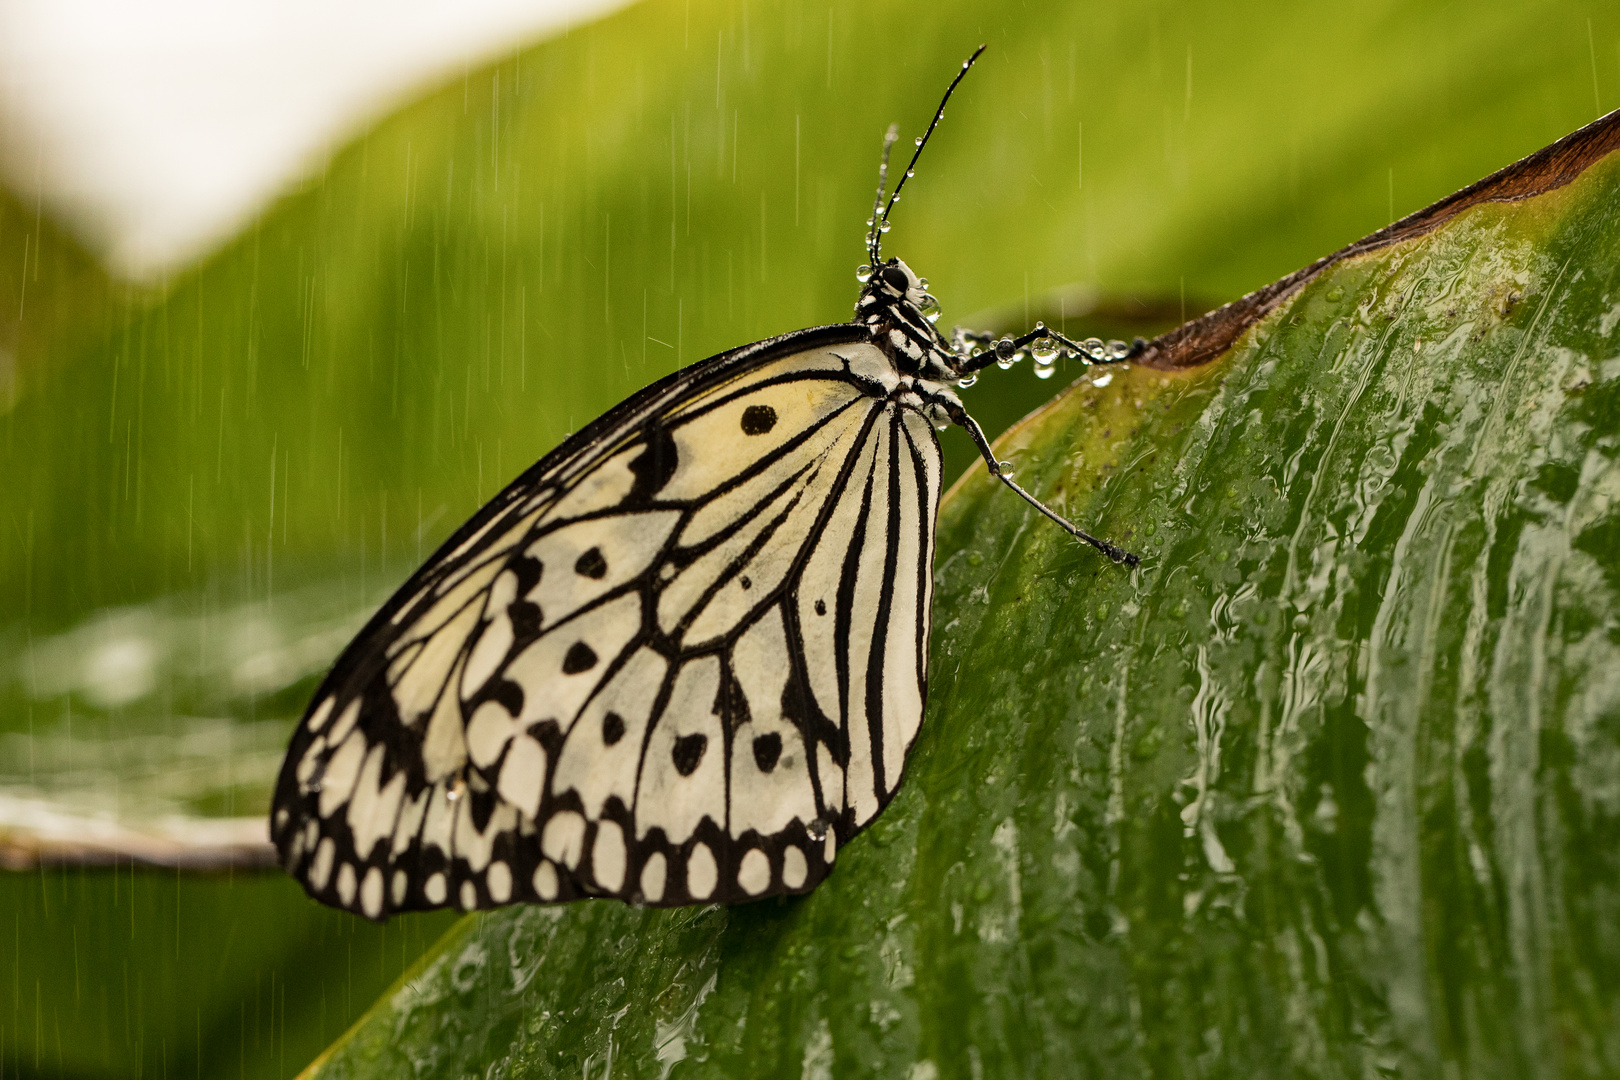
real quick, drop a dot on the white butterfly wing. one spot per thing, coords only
(679, 660)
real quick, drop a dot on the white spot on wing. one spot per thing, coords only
(320, 871)
(545, 881)
(702, 873)
(755, 873)
(410, 819)
(488, 732)
(346, 884)
(832, 782)
(653, 873)
(418, 687)
(475, 846)
(319, 716)
(608, 856)
(496, 638)
(313, 756)
(794, 867)
(374, 806)
(371, 893)
(438, 820)
(434, 889)
(523, 775)
(345, 723)
(342, 768)
(498, 880)
(563, 838)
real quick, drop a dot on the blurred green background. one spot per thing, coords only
(208, 484)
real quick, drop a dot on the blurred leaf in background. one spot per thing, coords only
(211, 481)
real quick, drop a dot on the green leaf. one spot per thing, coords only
(1327, 787)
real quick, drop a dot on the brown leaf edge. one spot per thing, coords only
(1551, 167)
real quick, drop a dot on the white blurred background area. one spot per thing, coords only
(155, 129)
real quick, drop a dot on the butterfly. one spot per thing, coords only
(679, 660)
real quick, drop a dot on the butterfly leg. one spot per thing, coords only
(960, 417)
(1007, 349)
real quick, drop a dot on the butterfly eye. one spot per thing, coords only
(895, 278)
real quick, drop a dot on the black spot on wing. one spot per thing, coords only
(689, 753)
(612, 728)
(526, 619)
(581, 657)
(767, 750)
(758, 419)
(654, 466)
(592, 564)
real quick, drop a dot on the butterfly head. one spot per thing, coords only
(896, 307)
(897, 282)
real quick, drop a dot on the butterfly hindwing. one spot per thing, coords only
(679, 660)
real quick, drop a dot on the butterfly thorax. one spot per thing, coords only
(896, 308)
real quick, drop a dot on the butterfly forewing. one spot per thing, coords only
(679, 660)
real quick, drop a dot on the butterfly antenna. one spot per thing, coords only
(881, 221)
(874, 233)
